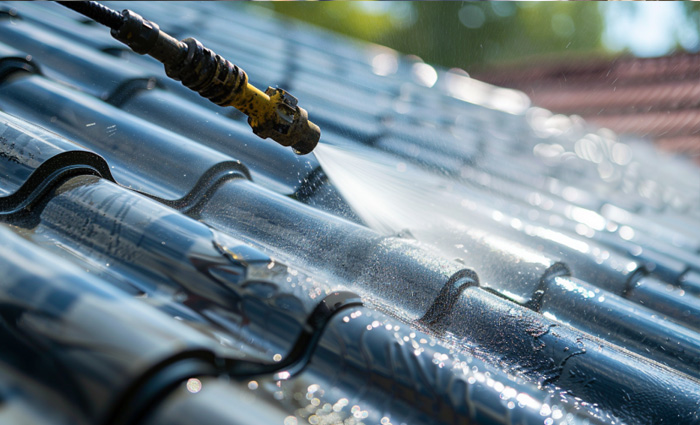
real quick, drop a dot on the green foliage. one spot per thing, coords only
(507, 33)
(364, 20)
(462, 34)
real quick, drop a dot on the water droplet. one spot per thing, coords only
(194, 385)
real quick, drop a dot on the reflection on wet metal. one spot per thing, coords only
(479, 93)
(570, 358)
(634, 326)
(217, 279)
(451, 255)
(31, 158)
(127, 143)
(61, 316)
(381, 269)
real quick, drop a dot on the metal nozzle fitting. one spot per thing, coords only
(287, 123)
(274, 113)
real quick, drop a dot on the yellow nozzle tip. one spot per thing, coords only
(309, 140)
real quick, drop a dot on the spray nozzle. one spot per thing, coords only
(273, 113)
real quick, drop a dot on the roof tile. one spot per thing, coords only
(146, 220)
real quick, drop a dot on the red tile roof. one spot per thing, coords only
(654, 97)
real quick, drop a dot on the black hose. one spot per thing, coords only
(97, 12)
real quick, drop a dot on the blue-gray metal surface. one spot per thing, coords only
(161, 264)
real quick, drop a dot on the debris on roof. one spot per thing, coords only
(452, 255)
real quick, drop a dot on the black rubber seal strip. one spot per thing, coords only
(154, 385)
(48, 173)
(444, 303)
(306, 343)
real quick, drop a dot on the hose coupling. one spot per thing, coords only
(273, 113)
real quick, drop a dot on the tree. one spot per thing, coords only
(462, 34)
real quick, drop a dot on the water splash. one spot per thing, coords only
(443, 214)
(388, 195)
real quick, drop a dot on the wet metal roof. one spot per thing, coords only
(466, 258)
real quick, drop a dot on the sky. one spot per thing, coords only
(651, 30)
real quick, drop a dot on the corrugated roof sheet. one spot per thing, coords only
(163, 265)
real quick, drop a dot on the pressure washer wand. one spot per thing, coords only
(274, 113)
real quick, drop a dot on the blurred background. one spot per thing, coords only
(475, 35)
(629, 66)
